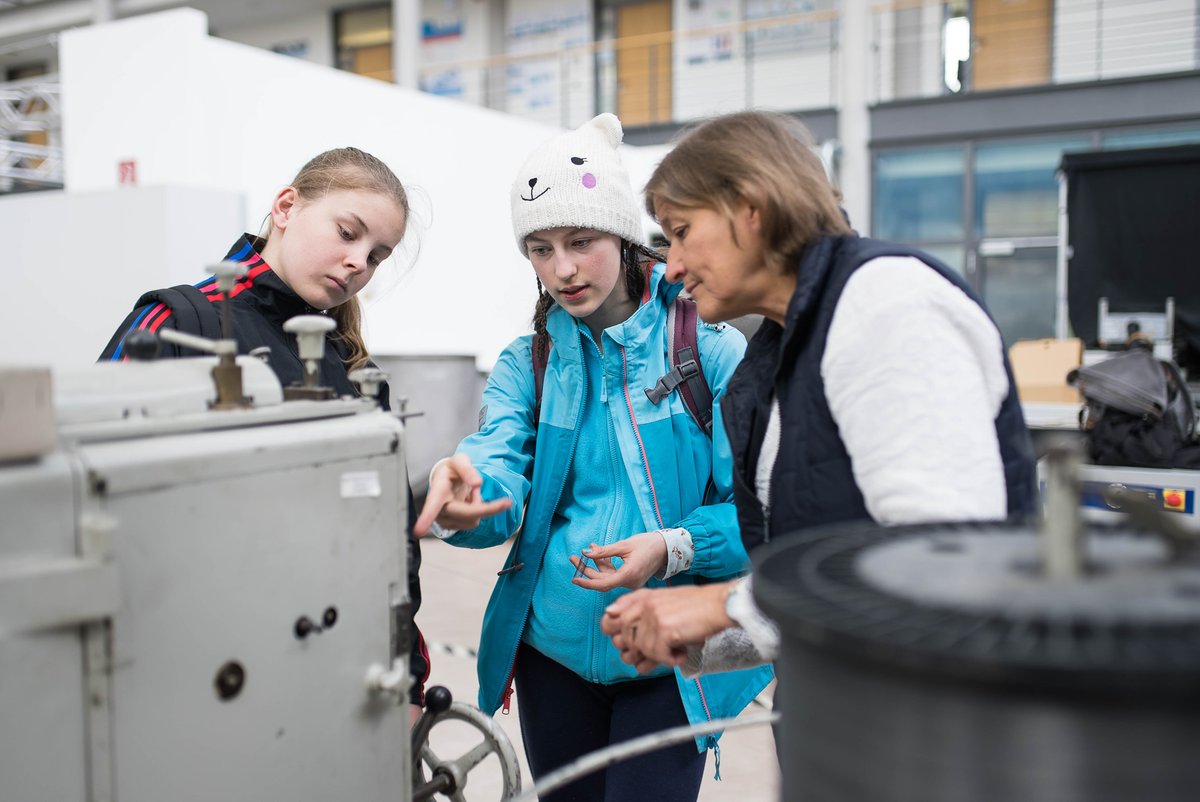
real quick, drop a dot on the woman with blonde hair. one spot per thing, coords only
(877, 388)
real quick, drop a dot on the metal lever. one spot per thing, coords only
(226, 375)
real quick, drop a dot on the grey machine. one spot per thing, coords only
(991, 662)
(203, 591)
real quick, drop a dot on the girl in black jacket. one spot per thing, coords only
(328, 231)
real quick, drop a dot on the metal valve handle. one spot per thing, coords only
(368, 380)
(310, 331)
(449, 777)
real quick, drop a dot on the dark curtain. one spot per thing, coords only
(1134, 222)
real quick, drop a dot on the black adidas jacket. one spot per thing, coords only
(261, 303)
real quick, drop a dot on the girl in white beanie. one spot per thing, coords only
(606, 488)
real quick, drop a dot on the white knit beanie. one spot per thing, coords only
(577, 179)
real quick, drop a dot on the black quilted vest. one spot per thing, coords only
(812, 483)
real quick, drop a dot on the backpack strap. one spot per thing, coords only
(686, 373)
(541, 355)
(194, 312)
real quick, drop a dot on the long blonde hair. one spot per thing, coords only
(338, 170)
(761, 158)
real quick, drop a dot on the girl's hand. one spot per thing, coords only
(453, 498)
(642, 556)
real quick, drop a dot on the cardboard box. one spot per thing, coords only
(26, 413)
(1041, 367)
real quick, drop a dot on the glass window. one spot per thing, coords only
(1019, 291)
(919, 195)
(1147, 139)
(364, 41)
(1016, 192)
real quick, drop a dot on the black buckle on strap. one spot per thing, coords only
(675, 377)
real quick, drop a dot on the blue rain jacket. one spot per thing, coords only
(610, 464)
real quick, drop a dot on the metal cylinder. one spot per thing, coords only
(940, 664)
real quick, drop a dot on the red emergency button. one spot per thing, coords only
(1173, 499)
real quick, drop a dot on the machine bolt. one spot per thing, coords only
(230, 680)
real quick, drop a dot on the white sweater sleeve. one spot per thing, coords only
(914, 376)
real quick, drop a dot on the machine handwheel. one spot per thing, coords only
(447, 779)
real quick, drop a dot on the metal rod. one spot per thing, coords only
(638, 746)
(198, 343)
(1062, 525)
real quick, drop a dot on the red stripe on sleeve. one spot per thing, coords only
(157, 323)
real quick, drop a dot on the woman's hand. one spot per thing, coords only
(453, 498)
(642, 556)
(655, 627)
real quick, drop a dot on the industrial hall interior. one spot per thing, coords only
(600, 400)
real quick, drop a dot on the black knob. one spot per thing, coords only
(329, 618)
(141, 346)
(230, 680)
(438, 699)
(304, 627)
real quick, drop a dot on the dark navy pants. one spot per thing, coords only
(564, 717)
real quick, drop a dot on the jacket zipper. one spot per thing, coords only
(728, 411)
(614, 463)
(506, 705)
(638, 435)
(654, 495)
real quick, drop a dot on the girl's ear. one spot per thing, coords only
(283, 207)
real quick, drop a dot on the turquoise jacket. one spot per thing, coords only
(654, 469)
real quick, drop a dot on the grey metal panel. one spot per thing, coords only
(41, 691)
(136, 465)
(221, 541)
(1042, 109)
(239, 537)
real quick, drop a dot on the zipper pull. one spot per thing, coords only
(508, 692)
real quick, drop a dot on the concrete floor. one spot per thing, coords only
(455, 585)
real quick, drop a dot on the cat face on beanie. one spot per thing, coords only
(577, 179)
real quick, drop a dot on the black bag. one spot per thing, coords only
(1139, 412)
